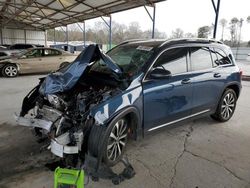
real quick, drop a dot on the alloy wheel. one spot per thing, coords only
(10, 71)
(228, 105)
(117, 140)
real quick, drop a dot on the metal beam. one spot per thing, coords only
(67, 37)
(54, 35)
(1, 35)
(152, 18)
(83, 31)
(109, 25)
(216, 17)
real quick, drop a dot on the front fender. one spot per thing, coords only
(125, 102)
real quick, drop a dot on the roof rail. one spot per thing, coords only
(130, 40)
(198, 40)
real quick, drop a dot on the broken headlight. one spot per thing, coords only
(54, 100)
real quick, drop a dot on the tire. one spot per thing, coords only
(10, 70)
(111, 141)
(226, 106)
(64, 64)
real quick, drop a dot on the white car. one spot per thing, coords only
(35, 60)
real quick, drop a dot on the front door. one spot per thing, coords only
(168, 100)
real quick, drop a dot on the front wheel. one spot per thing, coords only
(114, 142)
(10, 70)
(226, 107)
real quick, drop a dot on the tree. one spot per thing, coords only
(233, 30)
(204, 31)
(223, 23)
(189, 35)
(248, 19)
(177, 33)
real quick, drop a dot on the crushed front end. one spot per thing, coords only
(59, 107)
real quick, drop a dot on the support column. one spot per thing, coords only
(217, 10)
(110, 30)
(1, 35)
(25, 36)
(84, 34)
(67, 37)
(45, 42)
(54, 35)
(152, 17)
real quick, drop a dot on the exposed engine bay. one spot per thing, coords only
(64, 114)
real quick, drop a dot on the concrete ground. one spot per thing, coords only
(199, 154)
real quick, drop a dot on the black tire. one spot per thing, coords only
(102, 139)
(10, 70)
(226, 106)
(64, 64)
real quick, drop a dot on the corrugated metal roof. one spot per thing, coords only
(46, 14)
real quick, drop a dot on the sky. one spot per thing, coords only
(188, 15)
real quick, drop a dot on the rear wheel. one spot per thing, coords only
(226, 107)
(10, 70)
(113, 143)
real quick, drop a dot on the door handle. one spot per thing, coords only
(186, 81)
(217, 75)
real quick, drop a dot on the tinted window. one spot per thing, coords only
(51, 52)
(34, 53)
(2, 54)
(222, 57)
(200, 58)
(173, 60)
(20, 46)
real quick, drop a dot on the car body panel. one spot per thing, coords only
(40, 63)
(166, 100)
(156, 102)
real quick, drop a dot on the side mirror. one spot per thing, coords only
(159, 73)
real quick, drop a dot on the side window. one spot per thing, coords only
(173, 60)
(50, 52)
(223, 59)
(33, 53)
(200, 58)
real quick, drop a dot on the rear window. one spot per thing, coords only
(20, 46)
(221, 57)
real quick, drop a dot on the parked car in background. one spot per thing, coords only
(94, 105)
(35, 60)
(21, 46)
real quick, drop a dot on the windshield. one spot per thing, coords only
(129, 58)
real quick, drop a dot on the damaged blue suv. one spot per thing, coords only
(93, 105)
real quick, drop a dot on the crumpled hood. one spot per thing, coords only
(67, 78)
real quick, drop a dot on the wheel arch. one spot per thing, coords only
(234, 87)
(133, 116)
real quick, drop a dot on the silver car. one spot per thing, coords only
(35, 60)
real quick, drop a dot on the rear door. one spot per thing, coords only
(52, 59)
(168, 100)
(207, 79)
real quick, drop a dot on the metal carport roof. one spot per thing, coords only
(47, 14)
